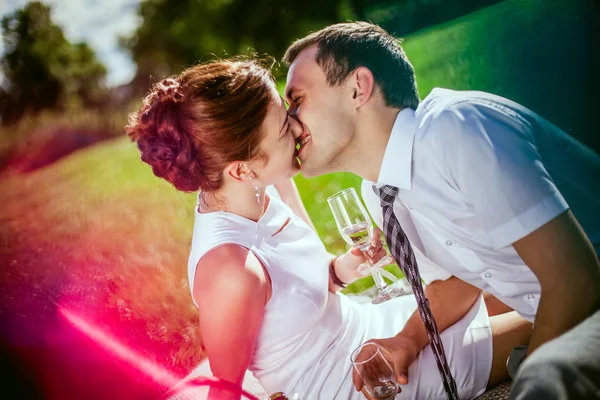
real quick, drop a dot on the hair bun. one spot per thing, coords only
(169, 90)
(174, 159)
(159, 153)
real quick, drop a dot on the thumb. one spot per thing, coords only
(401, 364)
(355, 251)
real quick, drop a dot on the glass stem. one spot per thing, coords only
(379, 281)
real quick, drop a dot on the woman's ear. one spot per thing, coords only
(239, 171)
(363, 85)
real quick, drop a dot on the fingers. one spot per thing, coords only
(356, 378)
(379, 255)
(356, 381)
(366, 393)
(375, 246)
(376, 232)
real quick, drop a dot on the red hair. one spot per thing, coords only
(192, 125)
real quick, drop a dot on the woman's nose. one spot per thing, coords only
(292, 111)
(296, 126)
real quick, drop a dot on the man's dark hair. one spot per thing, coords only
(346, 46)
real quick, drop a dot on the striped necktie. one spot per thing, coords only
(403, 254)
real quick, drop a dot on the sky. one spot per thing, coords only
(97, 22)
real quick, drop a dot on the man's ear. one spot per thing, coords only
(363, 85)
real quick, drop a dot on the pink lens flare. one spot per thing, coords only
(105, 340)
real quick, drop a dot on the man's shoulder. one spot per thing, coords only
(441, 114)
(445, 114)
(447, 104)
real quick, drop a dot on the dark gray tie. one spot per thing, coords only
(405, 258)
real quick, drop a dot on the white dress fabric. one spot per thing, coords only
(308, 333)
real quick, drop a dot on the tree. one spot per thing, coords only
(42, 69)
(173, 35)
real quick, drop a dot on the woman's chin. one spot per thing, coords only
(292, 172)
(296, 166)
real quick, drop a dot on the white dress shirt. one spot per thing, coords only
(476, 173)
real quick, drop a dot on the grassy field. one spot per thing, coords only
(98, 235)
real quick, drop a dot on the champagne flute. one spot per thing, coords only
(354, 224)
(375, 372)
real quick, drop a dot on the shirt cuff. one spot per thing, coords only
(528, 221)
(438, 274)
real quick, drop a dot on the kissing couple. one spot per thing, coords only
(488, 204)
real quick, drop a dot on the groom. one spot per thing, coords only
(478, 191)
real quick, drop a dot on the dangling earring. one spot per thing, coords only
(255, 188)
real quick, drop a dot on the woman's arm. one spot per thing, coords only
(494, 305)
(290, 196)
(231, 290)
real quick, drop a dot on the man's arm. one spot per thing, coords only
(563, 259)
(499, 169)
(449, 301)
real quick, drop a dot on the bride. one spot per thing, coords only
(266, 289)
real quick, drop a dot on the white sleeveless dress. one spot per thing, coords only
(308, 333)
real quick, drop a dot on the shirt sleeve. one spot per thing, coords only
(429, 270)
(492, 159)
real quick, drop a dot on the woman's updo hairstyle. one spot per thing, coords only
(192, 125)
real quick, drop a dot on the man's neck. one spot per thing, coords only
(371, 138)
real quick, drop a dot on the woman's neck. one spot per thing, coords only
(237, 199)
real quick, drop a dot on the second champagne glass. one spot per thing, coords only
(375, 371)
(354, 224)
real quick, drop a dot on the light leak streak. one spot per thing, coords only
(146, 366)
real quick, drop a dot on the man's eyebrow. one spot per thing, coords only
(287, 116)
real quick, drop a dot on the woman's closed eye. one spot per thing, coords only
(286, 130)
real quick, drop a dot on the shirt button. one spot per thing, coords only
(448, 242)
(530, 296)
(488, 275)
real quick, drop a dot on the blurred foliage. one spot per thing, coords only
(173, 36)
(36, 141)
(543, 54)
(42, 69)
(407, 16)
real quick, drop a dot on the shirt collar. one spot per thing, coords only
(396, 168)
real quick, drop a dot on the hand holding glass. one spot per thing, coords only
(375, 372)
(354, 224)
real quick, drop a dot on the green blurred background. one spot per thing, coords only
(86, 226)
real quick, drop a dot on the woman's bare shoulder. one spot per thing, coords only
(229, 267)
